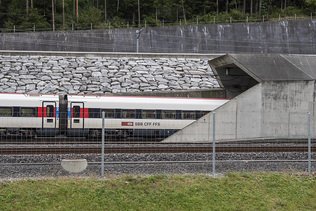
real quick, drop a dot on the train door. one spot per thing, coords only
(49, 115)
(77, 115)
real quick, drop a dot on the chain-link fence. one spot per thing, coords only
(266, 142)
(212, 19)
(132, 141)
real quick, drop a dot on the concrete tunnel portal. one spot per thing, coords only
(270, 96)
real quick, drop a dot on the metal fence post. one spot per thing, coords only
(213, 146)
(102, 150)
(137, 41)
(138, 31)
(309, 143)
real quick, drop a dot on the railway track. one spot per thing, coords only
(129, 140)
(77, 140)
(161, 149)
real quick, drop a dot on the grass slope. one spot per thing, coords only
(232, 192)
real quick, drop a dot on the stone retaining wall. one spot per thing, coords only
(97, 75)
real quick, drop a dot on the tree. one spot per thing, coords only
(183, 9)
(105, 13)
(153, 11)
(91, 15)
(138, 9)
(311, 3)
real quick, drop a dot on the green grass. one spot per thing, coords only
(231, 192)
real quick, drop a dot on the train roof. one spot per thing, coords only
(127, 102)
(17, 96)
(132, 102)
(12, 99)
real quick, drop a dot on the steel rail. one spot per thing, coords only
(124, 162)
(134, 140)
(168, 149)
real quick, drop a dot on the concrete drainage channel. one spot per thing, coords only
(74, 165)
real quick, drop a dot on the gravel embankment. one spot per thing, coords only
(49, 165)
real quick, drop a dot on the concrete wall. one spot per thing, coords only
(285, 106)
(99, 74)
(268, 37)
(267, 110)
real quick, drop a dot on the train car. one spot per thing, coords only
(71, 115)
(28, 115)
(155, 117)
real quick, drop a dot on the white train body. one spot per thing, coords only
(49, 115)
(18, 102)
(142, 103)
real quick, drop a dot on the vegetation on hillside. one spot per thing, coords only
(232, 192)
(67, 14)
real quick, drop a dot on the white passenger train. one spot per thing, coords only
(69, 115)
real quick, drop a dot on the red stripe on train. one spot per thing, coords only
(41, 112)
(84, 113)
(127, 123)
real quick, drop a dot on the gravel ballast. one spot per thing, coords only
(26, 166)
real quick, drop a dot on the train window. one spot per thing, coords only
(5, 111)
(16, 111)
(118, 113)
(138, 114)
(109, 113)
(94, 113)
(76, 111)
(199, 114)
(148, 114)
(49, 111)
(28, 112)
(168, 114)
(188, 114)
(128, 114)
(158, 114)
